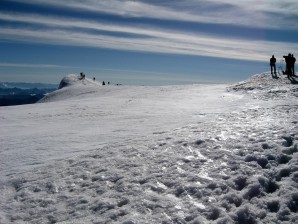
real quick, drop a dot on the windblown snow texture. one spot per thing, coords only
(231, 158)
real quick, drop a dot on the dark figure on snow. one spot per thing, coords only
(82, 75)
(103, 83)
(93, 78)
(293, 60)
(288, 60)
(272, 64)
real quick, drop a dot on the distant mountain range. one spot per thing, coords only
(24, 85)
(18, 93)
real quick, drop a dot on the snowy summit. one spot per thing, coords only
(89, 153)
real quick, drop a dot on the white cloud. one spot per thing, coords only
(22, 65)
(252, 13)
(70, 31)
(158, 41)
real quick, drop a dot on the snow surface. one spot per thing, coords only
(135, 154)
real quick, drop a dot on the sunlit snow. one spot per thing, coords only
(89, 153)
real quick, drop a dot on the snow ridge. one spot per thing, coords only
(266, 87)
(76, 80)
(72, 86)
(238, 166)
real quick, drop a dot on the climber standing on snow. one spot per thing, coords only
(288, 60)
(293, 60)
(272, 64)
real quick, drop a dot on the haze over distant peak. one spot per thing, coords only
(27, 85)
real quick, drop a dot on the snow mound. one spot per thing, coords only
(265, 86)
(70, 80)
(76, 80)
(72, 86)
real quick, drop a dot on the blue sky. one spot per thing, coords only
(147, 42)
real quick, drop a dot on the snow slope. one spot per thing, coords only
(174, 154)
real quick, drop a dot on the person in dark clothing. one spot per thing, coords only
(82, 76)
(272, 64)
(293, 60)
(103, 83)
(288, 60)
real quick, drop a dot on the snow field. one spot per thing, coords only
(237, 164)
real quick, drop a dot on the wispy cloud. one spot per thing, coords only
(22, 65)
(159, 42)
(273, 14)
(154, 38)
